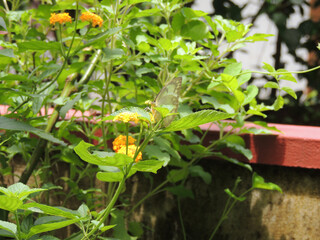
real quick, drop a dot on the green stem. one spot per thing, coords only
(107, 211)
(281, 73)
(181, 220)
(18, 225)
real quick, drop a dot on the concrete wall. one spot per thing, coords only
(265, 215)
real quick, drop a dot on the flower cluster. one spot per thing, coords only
(127, 117)
(121, 141)
(60, 18)
(119, 146)
(91, 17)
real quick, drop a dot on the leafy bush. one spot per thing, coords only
(134, 79)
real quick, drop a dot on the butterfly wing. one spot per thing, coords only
(168, 97)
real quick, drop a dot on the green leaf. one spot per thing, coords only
(7, 53)
(241, 199)
(232, 160)
(165, 44)
(100, 37)
(259, 183)
(22, 191)
(16, 77)
(290, 91)
(233, 69)
(148, 166)
(181, 191)
(278, 104)
(236, 143)
(110, 176)
(11, 227)
(153, 151)
(3, 23)
(111, 54)
(117, 160)
(38, 46)
(251, 92)
(196, 30)
(195, 119)
(271, 85)
(120, 229)
(177, 175)
(55, 211)
(268, 67)
(199, 172)
(50, 227)
(14, 125)
(10, 204)
(69, 105)
(222, 101)
(144, 47)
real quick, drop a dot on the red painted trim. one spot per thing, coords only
(296, 146)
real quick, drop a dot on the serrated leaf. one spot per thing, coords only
(196, 119)
(110, 176)
(177, 175)
(3, 23)
(111, 54)
(148, 166)
(69, 105)
(55, 211)
(199, 171)
(50, 227)
(11, 227)
(259, 183)
(10, 204)
(14, 125)
(117, 160)
(38, 46)
(7, 53)
(290, 91)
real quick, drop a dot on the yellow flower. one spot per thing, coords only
(131, 152)
(91, 17)
(126, 117)
(60, 18)
(120, 141)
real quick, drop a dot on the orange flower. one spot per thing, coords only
(60, 18)
(91, 17)
(121, 141)
(126, 117)
(131, 152)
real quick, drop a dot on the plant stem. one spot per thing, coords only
(37, 153)
(107, 211)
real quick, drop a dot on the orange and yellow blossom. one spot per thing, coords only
(60, 18)
(91, 17)
(127, 117)
(131, 152)
(120, 141)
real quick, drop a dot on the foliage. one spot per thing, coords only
(65, 81)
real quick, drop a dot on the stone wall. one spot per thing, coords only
(265, 215)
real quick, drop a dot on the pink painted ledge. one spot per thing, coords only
(296, 146)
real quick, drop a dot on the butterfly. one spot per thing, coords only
(168, 97)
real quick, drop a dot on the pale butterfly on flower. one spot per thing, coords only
(168, 97)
